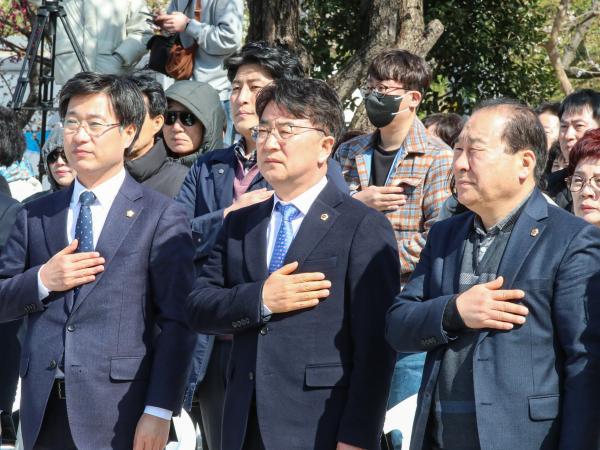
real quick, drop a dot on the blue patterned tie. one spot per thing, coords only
(84, 232)
(285, 235)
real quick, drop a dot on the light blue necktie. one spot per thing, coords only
(285, 235)
(84, 232)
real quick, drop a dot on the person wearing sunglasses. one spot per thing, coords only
(59, 174)
(148, 161)
(194, 121)
(584, 177)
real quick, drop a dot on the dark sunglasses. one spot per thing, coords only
(53, 156)
(186, 118)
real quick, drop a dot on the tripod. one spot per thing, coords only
(44, 31)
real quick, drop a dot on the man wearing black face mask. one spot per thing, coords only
(401, 170)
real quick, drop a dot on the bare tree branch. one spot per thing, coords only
(579, 32)
(553, 50)
(582, 74)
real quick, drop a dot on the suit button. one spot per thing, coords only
(251, 376)
(264, 331)
(71, 328)
(52, 364)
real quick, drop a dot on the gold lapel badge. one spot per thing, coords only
(534, 232)
(130, 213)
(324, 217)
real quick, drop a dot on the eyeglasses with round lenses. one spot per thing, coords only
(378, 91)
(186, 118)
(281, 132)
(576, 183)
(55, 154)
(93, 129)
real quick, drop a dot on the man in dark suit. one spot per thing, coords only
(223, 181)
(301, 281)
(505, 300)
(10, 348)
(100, 272)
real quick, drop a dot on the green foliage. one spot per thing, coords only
(331, 31)
(489, 49)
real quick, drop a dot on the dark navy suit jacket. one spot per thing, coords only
(320, 375)
(205, 193)
(536, 386)
(9, 344)
(125, 341)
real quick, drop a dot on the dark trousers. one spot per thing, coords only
(253, 439)
(55, 433)
(211, 394)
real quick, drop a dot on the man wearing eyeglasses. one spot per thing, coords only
(400, 170)
(505, 300)
(100, 271)
(224, 181)
(302, 281)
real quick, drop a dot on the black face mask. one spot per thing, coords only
(381, 111)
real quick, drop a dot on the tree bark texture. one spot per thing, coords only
(391, 24)
(277, 21)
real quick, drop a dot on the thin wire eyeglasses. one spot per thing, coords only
(93, 129)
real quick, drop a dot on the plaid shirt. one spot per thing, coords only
(423, 168)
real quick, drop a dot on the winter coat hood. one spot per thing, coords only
(203, 102)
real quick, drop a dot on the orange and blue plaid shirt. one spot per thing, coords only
(422, 167)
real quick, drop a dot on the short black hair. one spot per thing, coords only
(276, 59)
(523, 130)
(548, 108)
(152, 90)
(125, 97)
(581, 99)
(308, 99)
(402, 66)
(447, 126)
(12, 141)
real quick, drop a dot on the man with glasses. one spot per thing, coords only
(505, 300)
(224, 181)
(100, 272)
(400, 170)
(302, 281)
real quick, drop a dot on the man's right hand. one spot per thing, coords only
(488, 306)
(68, 269)
(247, 199)
(382, 198)
(284, 292)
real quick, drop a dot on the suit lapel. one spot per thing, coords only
(223, 174)
(55, 221)
(318, 221)
(452, 262)
(526, 233)
(123, 213)
(255, 240)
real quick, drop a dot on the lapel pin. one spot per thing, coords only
(130, 213)
(221, 171)
(534, 232)
(324, 217)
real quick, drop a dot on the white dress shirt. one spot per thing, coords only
(303, 202)
(105, 196)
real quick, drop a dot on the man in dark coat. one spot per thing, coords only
(301, 280)
(148, 162)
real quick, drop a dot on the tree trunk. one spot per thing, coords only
(277, 21)
(391, 24)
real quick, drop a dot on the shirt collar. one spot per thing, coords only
(505, 224)
(247, 161)
(105, 193)
(305, 200)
